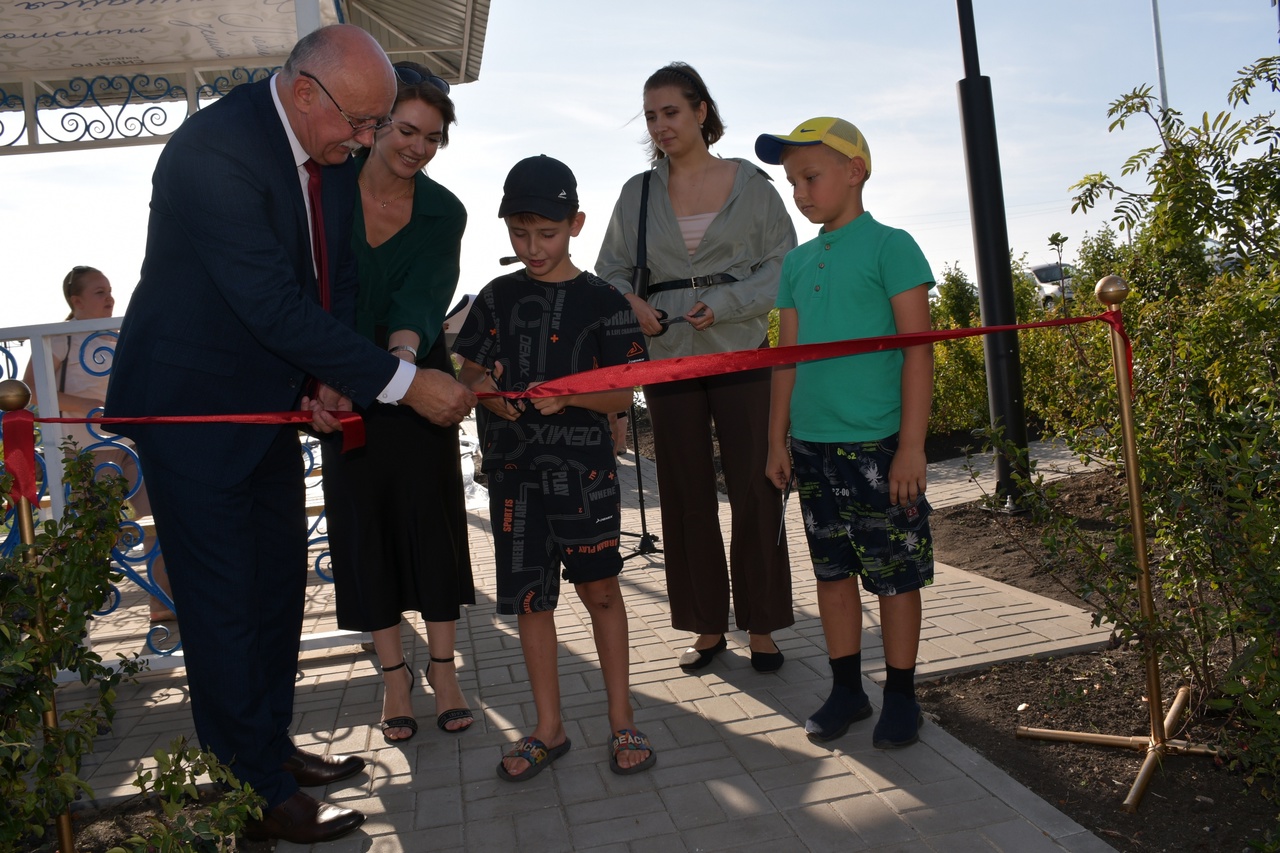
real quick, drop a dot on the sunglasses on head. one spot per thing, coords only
(410, 77)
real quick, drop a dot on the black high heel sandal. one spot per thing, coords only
(452, 714)
(398, 722)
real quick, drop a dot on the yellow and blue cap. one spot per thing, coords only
(835, 132)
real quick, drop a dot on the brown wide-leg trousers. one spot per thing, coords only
(698, 578)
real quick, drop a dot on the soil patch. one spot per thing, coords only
(1192, 803)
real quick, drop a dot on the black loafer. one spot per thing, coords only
(767, 661)
(695, 659)
(311, 770)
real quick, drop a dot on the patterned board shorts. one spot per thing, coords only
(852, 528)
(543, 520)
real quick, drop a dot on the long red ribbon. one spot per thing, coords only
(697, 366)
(19, 436)
(19, 443)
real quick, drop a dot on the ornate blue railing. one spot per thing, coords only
(57, 109)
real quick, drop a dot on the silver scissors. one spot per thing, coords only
(786, 496)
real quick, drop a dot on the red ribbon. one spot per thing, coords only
(19, 436)
(697, 366)
(19, 448)
(20, 454)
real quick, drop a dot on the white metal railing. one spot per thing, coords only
(45, 379)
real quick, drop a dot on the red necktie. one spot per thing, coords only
(318, 245)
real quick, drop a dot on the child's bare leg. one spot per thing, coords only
(900, 617)
(539, 644)
(900, 717)
(603, 599)
(840, 609)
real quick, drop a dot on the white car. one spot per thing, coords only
(1054, 282)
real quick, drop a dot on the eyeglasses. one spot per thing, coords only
(410, 77)
(365, 124)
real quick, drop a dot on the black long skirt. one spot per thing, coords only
(396, 518)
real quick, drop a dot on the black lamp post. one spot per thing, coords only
(991, 250)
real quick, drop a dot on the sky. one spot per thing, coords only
(565, 77)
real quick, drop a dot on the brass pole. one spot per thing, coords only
(15, 395)
(1111, 291)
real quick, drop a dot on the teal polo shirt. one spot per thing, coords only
(840, 285)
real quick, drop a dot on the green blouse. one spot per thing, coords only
(408, 281)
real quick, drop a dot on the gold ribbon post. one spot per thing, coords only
(1111, 291)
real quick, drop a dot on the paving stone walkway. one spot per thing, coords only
(734, 771)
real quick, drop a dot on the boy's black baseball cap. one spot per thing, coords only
(541, 185)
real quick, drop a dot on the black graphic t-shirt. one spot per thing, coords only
(540, 331)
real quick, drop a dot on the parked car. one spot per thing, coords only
(1220, 259)
(1053, 282)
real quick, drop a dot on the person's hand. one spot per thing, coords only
(778, 467)
(646, 315)
(700, 316)
(439, 397)
(907, 475)
(550, 405)
(326, 400)
(508, 410)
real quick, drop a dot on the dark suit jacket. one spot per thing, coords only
(226, 317)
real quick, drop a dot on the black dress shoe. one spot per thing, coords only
(767, 661)
(303, 819)
(312, 770)
(695, 659)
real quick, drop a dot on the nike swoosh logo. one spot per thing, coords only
(807, 130)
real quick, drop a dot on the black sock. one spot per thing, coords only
(847, 671)
(900, 681)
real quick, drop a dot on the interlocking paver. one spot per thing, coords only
(734, 772)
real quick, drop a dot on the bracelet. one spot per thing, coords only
(404, 348)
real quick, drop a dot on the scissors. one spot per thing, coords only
(786, 495)
(667, 322)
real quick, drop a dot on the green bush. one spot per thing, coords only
(48, 592)
(57, 581)
(1206, 407)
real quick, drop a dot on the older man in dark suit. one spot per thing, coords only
(247, 300)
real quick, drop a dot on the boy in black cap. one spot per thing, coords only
(553, 489)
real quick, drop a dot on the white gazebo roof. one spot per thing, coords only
(103, 73)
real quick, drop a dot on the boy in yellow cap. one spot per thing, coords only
(857, 424)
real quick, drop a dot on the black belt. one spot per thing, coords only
(696, 281)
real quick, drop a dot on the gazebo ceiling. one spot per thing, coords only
(99, 73)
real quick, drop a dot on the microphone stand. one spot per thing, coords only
(648, 541)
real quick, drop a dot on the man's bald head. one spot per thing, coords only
(336, 77)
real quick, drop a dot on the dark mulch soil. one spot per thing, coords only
(1192, 802)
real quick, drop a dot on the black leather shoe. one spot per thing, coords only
(695, 659)
(302, 819)
(767, 661)
(312, 770)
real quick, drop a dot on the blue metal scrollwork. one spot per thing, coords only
(220, 85)
(17, 129)
(118, 106)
